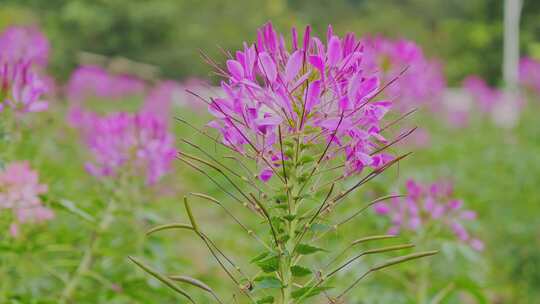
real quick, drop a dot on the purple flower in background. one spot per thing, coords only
(21, 89)
(24, 44)
(160, 99)
(93, 81)
(315, 86)
(19, 192)
(503, 107)
(423, 82)
(529, 74)
(427, 205)
(484, 95)
(136, 144)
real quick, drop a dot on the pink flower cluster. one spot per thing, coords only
(529, 74)
(160, 99)
(482, 93)
(311, 85)
(21, 88)
(138, 144)
(24, 44)
(423, 82)
(19, 191)
(94, 81)
(426, 205)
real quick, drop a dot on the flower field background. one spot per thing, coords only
(114, 115)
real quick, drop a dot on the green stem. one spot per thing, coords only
(422, 284)
(288, 261)
(89, 254)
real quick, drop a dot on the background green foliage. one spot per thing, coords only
(496, 172)
(466, 35)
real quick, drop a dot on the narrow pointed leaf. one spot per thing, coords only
(162, 278)
(169, 226)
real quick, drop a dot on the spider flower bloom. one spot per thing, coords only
(24, 44)
(21, 89)
(529, 74)
(138, 144)
(19, 191)
(315, 89)
(426, 205)
(423, 82)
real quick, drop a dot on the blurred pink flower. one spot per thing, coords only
(423, 82)
(21, 88)
(93, 81)
(19, 191)
(503, 107)
(529, 74)
(24, 44)
(428, 205)
(160, 99)
(136, 144)
(484, 95)
(311, 85)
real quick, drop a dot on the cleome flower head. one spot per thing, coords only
(19, 191)
(426, 205)
(137, 144)
(314, 91)
(21, 89)
(23, 51)
(24, 44)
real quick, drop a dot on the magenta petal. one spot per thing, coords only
(236, 69)
(334, 51)
(266, 174)
(268, 66)
(293, 65)
(307, 38)
(312, 99)
(317, 62)
(368, 88)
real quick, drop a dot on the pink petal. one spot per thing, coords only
(334, 51)
(312, 99)
(268, 67)
(236, 69)
(293, 65)
(317, 62)
(266, 174)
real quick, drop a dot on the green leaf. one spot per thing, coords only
(269, 264)
(299, 271)
(316, 227)
(162, 278)
(71, 207)
(306, 159)
(289, 217)
(305, 249)
(266, 300)
(307, 292)
(259, 257)
(267, 282)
